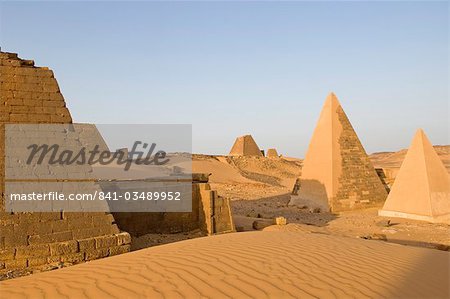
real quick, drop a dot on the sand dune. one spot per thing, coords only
(275, 264)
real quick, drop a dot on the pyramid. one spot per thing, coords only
(422, 187)
(245, 146)
(31, 95)
(272, 153)
(337, 173)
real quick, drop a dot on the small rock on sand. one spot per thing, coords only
(280, 221)
(381, 237)
(384, 223)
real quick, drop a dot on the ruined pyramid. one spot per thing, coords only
(30, 95)
(272, 153)
(422, 187)
(245, 146)
(337, 173)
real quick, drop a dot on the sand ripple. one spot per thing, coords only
(269, 264)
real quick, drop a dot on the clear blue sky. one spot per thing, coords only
(234, 68)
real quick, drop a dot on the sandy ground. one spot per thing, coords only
(269, 264)
(354, 224)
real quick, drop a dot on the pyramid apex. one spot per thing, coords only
(421, 137)
(420, 132)
(332, 100)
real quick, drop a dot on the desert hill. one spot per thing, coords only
(394, 159)
(246, 177)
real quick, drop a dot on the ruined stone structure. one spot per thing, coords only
(31, 94)
(422, 187)
(210, 213)
(245, 146)
(337, 173)
(272, 153)
(32, 241)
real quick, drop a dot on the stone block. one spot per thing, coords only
(51, 238)
(33, 251)
(105, 241)
(11, 241)
(96, 254)
(7, 254)
(86, 244)
(280, 221)
(73, 257)
(119, 250)
(16, 264)
(63, 248)
(123, 238)
(37, 261)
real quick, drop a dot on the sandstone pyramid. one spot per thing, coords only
(422, 187)
(337, 173)
(272, 153)
(30, 95)
(245, 146)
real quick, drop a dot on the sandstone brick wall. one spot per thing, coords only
(29, 94)
(215, 212)
(359, 184)
(29, 241)
(210, 213)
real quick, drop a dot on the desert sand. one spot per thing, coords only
(268, 264)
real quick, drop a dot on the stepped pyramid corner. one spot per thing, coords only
(337, 173)
(421, 189)
(245, 146)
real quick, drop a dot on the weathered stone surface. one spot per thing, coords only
(96, 254)
(105, 241)
(280, 221)
(123, 238)
(30, 95)
(210, 213)
(272, 153)
(119, 250)
(86, 244)
(245, 146)
(337, 173)
(33, 250)
(63, 248)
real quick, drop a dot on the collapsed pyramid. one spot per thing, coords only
(337, 173)
(30, 95)
(422, 187)
(272, 153)
(245, 146)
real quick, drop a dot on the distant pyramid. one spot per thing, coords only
(245, 146)
(337, 173)
(272, 153)
(422, 186)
